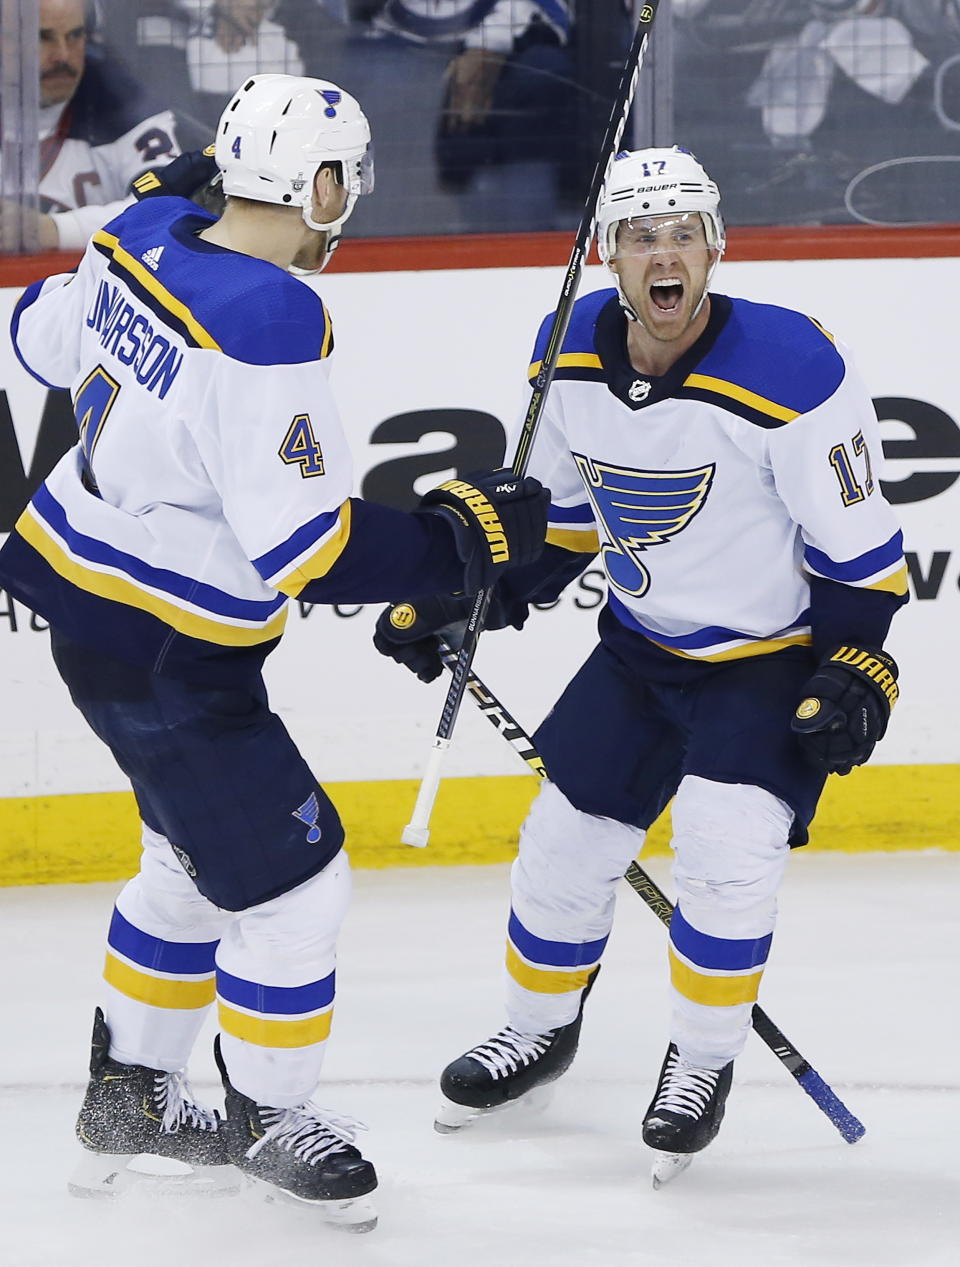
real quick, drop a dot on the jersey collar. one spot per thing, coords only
(635, 390)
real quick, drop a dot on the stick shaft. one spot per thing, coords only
(561, 320)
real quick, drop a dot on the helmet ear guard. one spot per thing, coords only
(657, 182)
(275, 134)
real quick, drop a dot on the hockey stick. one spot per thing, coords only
(823, 1096)
(417, 831)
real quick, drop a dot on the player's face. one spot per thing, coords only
(63, 46)
(663, 263)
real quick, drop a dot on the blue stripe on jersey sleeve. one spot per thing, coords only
(280, 557)
(864, 565)
(197, 593)
(29, 296)
(776, 353)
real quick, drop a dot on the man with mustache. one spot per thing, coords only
(97, 134)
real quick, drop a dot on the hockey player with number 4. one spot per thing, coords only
(721, 456)
(212, 483)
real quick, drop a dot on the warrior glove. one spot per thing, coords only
(185, 177)
(408, 632)
(846, 707)
(499, 520)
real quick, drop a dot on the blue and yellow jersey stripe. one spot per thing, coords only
(574, 528)
(309, 553)
(187, 605)
(882, 568)
(147, 288)
(714, 642)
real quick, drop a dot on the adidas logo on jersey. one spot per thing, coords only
(152, 257)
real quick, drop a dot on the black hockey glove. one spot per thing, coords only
(183, 178)
(499, 521)
(408, 632)
(846, 707)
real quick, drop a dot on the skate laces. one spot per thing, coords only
(510, 1050)
(685, 1088)
(310, 1132)
(172, 1094)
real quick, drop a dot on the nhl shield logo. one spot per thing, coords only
(639, 390)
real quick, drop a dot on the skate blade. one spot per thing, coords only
(357, 1214)
(453, 1117)
(666, 1166)
(111, 1175)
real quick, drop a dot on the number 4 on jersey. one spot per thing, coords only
(300, 446)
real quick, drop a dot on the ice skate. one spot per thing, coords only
(142, 1126)
(509, 1067)
(684, 1115)
(303, 1155)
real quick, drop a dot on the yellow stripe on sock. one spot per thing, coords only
(713, 991)
(270, 1033)
(158, 991)
(545, 980)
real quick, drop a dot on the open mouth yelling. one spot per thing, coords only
(667, 295)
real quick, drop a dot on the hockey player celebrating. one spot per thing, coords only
(211, 483)
(721, 456)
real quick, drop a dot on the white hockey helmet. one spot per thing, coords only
(657, 182)
(276, 132)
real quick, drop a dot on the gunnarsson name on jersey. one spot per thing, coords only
(129, 336)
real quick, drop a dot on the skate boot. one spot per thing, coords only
(506, 1068)
(303, 1154)
(685, 1113)
(131, 1112)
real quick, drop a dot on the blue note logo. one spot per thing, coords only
(333, 99)
(308, 813)
(640, 509)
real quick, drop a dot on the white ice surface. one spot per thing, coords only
(863, 981)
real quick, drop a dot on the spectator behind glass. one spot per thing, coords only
(475, 102)
(97, 131)
(844, 42)
(507, 91)
(206, 47)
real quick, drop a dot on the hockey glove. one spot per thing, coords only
(846, 707)
(183, 178)
(498, 520)
(407, 632)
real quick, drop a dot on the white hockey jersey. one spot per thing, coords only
(716, 490)
(212, 479)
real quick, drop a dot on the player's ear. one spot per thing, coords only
(324, 184)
